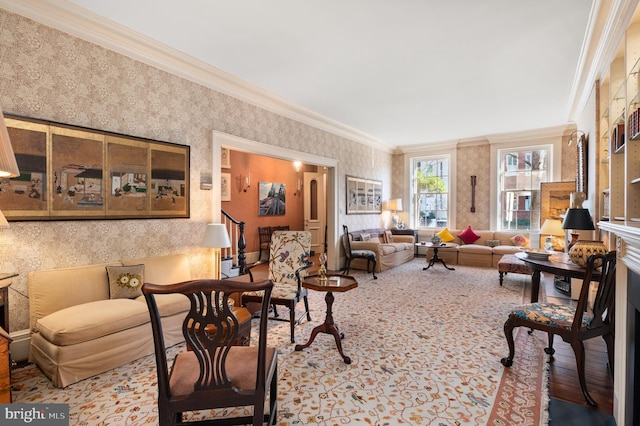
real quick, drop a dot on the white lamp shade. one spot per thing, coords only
(3, 222)
(216, 236)
(552, 227)
(8, 164)
(395, 204)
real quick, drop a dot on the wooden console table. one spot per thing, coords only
(5, 283)
(5, 368)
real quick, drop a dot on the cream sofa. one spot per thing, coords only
(388, 254)
(77, 331)
(480, 253)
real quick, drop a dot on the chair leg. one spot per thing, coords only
(578, 350)
(306, 307)
(508, 333)
(549, 349)
(347, 266)
(273, 398)
(373, 271)
(292, 322)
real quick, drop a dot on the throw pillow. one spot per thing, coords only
(374, 240)
(388, 236)
(519, 240)
(125, 282)
(445, 235)
(365, 237)
(493, 243)
(468, 236)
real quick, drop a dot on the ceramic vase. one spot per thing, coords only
(436, 240)
(582, 249)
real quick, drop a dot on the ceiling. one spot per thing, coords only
(403, 72)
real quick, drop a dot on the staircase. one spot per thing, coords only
(237, 252)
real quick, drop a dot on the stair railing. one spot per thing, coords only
(237, 251)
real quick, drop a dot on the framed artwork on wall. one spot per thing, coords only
(272, 199)
(70, 172)
(555, 199)
(225, 186)
(225, 158)
(364, 196)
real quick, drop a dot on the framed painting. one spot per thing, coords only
(364, 196)
(555, 199)
(69, 172)
(272, 198)
(225, 186)
(225, 158)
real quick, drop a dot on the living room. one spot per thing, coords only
(52, 75)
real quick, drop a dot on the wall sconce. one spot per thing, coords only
(243, 182)
(298, 166)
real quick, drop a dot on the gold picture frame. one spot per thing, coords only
(71, 172)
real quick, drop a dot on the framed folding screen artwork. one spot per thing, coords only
(70, 172)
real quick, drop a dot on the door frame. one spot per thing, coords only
(237, 143)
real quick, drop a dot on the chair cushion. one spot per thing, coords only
(366, 253)
(550, 314)
(280, 291)
(240, 367)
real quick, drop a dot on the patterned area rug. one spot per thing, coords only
(425, 349)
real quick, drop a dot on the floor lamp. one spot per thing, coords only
(216, 237)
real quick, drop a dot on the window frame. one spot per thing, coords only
(413, 196)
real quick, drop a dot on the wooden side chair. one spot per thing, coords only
(264, 234)
(370, 255)
(577, 324)
(289, 260)
(213, 373)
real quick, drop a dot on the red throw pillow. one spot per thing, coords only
(468, 236)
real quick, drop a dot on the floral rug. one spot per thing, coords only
(425, 349)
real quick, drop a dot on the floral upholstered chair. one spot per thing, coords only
(289, 260)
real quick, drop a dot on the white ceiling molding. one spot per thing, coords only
(69, 18)
(618, 16)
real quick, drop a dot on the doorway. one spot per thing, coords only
(331, 184)
(315, 210)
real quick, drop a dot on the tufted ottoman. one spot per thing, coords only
(510, 263)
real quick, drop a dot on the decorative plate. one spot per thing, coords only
(538, 254)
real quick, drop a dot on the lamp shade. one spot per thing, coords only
(3, 222)
(578, 219)
(216, 236)
(395, 204)
(552, 227)
(8, 164)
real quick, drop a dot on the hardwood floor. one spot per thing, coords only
(563, 378)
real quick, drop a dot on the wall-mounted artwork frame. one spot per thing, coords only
(555, 199)
(364, 196)
(225, 186)
(272, 199)
(70, 172)
(225, 158)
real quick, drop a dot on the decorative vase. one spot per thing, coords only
(436, 240)
(582, 249)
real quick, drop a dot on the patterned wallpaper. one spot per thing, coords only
(474, 160)
(48, 74)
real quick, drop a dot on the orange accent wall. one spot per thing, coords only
(244, 205)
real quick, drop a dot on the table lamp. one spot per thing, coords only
(395, 205)
(216, 237)
(552, 228)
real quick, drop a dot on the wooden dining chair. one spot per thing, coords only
(574, 325)
(214, 373)
(351, 254)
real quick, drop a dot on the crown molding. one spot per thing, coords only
(78, 22)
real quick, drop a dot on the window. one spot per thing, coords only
(520, 174)
(431, 192)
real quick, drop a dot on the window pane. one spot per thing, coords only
(431, 187)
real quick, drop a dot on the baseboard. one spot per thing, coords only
(21, 342)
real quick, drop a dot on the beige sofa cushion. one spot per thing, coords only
(55, 289)
(92, 320)
(169, 304)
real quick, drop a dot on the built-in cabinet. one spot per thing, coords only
(619, 127)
